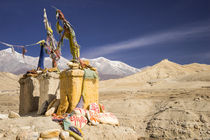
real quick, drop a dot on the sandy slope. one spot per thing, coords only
(8, 82)
(163, 70)
(165, 101)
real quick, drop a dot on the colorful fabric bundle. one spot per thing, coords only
(79, 111)
(51, 44)
(108, 118)
(78, 121)
(94, 107)
(57, 118)
(97, 114)
(68, 32)
(93, 117)
(76, 130)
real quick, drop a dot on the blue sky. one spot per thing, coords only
(137, 32)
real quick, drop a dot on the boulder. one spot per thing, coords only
(50, 111)
(52, 133)
(64, 135)
(27, 135)
(3, 116)
(13, 115)
(52, 107)
(1, 135)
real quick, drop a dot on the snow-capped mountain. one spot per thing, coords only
(15, 63)
(112, 69)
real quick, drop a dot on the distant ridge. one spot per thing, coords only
(167, 69)
(162, 70)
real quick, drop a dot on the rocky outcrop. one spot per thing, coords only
(177, 120)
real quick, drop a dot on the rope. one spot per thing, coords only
(20, 46)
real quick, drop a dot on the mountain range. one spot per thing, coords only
(14, 62)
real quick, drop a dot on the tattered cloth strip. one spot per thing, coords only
(68, 32)
(51, 43)
(54, 52)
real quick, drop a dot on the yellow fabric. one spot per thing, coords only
(59, 29)
(76, 136)
(70, 90)
(64, 104)
(75, 51)
(46, 23)
(72, 87)
(74, 46)
(50, 29)
(86, 62)
(55, 69)
(90, 92)
(70, 34)
(40, 42)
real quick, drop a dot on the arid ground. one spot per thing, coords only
(164, 101)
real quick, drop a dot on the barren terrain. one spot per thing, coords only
(165, 101)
